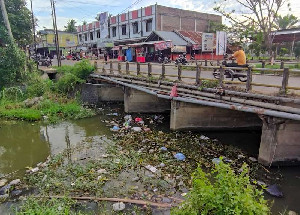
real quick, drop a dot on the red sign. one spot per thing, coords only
(134, 14)
(90, 26)
(84, 27)
(113, 20)
(97, 24)
(148, 11)
(123, 17)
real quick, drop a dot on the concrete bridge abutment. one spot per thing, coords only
(136, 101)
(186, 116)
(280, 142)
(95, 93)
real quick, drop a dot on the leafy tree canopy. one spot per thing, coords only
(286, 22)
(70, 27)
(252, 17)
(20, 21)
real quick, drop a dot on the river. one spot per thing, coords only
(24, 144)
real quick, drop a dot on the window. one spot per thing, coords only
(135, 28)
(123, 29)
(114, 31)
(80, 37)
(85, 37)
(91, 36)
(98, 33)
(148, 25)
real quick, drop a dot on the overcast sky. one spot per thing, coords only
(88, 9)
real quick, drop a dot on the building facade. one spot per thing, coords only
(46, 43)
(137, 25)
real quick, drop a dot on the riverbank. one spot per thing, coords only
(135, 165)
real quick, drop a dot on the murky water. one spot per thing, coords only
(24, 144)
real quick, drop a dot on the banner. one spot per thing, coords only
(105, 42)
(163, 45)
(207, 42)
(221, 43)
(178, 49)
(103, 19)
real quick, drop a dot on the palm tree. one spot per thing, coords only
(71, 26)
(286, 22)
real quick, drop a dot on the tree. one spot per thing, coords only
(84, 22)
(286, 22)
(257, 15)
(20, 20)
(71, 26)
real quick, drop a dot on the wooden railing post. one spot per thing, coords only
(119, 68)
(249, 79)
(163, 71)
(179, 71)
(205, 63)
(221, 79)
(149, 69)
(96, 66)
(263, 65)
(127, 68)
(138, 68)
(111, 67)
(285, 81)
(281, 64)
(198, 74)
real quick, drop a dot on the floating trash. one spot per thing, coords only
(179, 156)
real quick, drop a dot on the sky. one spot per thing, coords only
(81, 10)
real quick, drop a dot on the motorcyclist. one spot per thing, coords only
(240, 57)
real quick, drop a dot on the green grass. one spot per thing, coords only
(277, 66)
(52, 110)
(45, 206)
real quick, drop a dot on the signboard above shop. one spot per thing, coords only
(207, 42)
(103, 43)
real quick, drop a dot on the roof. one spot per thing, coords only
(287, 35)
(167, 36)
(191, 36)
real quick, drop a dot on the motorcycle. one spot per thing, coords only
(181, 60)
(231, 73)
(162, 59)
(45, 62)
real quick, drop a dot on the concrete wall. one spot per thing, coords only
(139, 102)
(191, 116)
(110, 93)
(280, 142)
(169, 19)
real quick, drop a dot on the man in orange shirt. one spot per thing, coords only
(240, 57)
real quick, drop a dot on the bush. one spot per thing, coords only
(12, 65)
(223, 192)
(68, 83)
(83, 69)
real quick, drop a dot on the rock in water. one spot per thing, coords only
(274, 191)
(4, 189)
(118, 206)
(15, 182)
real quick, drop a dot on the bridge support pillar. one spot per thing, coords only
(280, 142)
(136, 101)
(197, 117)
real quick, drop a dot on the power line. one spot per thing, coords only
(135, 3)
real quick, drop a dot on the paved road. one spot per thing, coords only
(172, 70)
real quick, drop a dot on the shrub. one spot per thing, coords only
(12, 65)
(83, 69)
(68, 83)
(223, 192)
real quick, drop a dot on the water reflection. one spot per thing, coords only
(24, 144)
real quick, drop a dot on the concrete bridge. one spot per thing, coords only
(200, 108)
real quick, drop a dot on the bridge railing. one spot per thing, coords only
(197, 74)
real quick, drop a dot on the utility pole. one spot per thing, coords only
(34, 37)
(55, 32)
(5, 18)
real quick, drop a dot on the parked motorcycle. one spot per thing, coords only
(45, 62)
(230, 73)
(163, 59)
(181, 60)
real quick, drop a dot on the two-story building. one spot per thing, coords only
(136, 25)
(46, 46)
